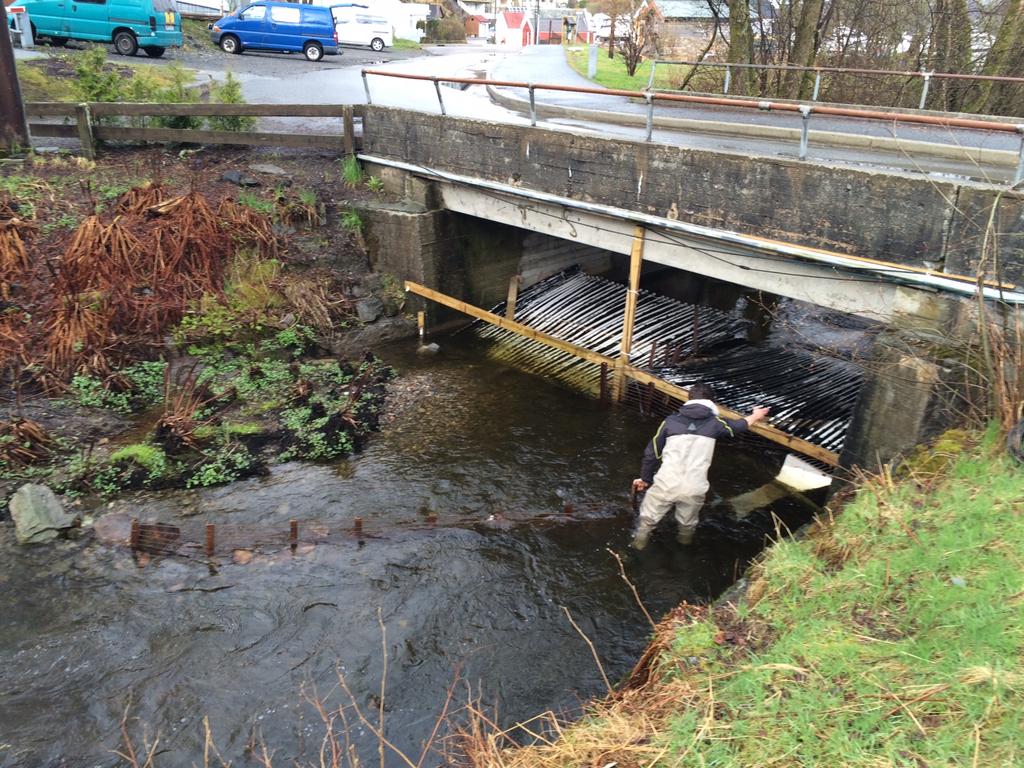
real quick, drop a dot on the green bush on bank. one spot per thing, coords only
(899, 636)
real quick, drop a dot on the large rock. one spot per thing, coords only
(38, 515)
(369, 309)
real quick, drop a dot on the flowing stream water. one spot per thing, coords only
(528, 483)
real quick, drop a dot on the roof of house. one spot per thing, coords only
(689, 9)
(514, 19)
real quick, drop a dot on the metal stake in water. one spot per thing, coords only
(440, 101)
(805, 117)
(366, 87)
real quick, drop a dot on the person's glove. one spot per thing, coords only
(639, 485)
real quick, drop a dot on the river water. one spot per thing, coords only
(488, 502)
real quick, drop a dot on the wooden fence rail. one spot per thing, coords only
(82, 121)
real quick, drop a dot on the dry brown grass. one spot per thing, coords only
(122, 280)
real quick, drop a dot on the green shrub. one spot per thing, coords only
(93, 82)
(447, 30)
(351, 220)
(179, 92)
(375, 184)
(229, 463)
(230, 92)
(145, 388)
(351, 171)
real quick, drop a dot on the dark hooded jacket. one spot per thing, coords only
(690, 433)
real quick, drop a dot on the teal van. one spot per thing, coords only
(152, 25)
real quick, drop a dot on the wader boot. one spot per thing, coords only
(685, 536)
(642, 536)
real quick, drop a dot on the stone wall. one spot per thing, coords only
(869, 213)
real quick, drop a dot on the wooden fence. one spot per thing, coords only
(83, 121)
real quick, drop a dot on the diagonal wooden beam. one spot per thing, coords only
(795, 444)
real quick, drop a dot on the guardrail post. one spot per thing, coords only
(348, 123)
(728, 79)
(817, 84)
(650, 80)
(805, 119)
(533, 106)
(366, 87)
(650, 115)
(924, 88)
(1019, 176)
(84, 119)
(440, 101)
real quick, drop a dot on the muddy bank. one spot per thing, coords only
(183, 320)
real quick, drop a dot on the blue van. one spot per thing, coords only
(152, 25)
(284, 27)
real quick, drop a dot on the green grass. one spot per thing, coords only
(406, 45)
(908, 653)
(149, 457)
(54, 79)
(611, 73)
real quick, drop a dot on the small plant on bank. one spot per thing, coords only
(230, 463)
(131, 389)
(351, 171)
(230, 92)
(376, 184)
(351, 220)
(257, 203)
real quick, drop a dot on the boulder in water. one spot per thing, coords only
(38, 515)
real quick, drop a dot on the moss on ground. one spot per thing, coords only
(892, 635)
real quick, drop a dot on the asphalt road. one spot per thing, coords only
(282, 78)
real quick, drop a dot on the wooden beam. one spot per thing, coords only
(121, 109)
(513, 293)
(636, 257)
(247, 138)
(771, 433)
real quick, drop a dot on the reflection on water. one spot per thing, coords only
(528, 484)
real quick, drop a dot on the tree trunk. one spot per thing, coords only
(803, 51)
(1008, 40)
(13, 130)
(951, 52)
(741, 45)
(611, 37)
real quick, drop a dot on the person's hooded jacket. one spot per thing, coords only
(684, 446)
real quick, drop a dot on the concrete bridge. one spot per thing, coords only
(486, 202)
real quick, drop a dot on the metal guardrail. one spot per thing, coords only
(819, 71)
(804, 110)
(89, 129)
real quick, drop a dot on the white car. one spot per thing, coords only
(357, 26)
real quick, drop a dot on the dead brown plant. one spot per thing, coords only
(23, 442)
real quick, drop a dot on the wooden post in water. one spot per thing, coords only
(603, 394)
(421, 322)
(211, 539)
(358, 525)
(133, 539)
(513, 293)
(293, 534)
(636, 257)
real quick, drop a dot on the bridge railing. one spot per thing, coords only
(926, 77)
(651, 97)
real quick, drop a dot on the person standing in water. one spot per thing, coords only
(684, 446)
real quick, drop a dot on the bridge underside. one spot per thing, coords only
(826, 286)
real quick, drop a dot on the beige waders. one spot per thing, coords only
(680, 484)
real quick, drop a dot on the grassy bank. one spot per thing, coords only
(892, 635)
(611, 73)
(82, 75)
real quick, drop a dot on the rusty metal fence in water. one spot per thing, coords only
(811, 395)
